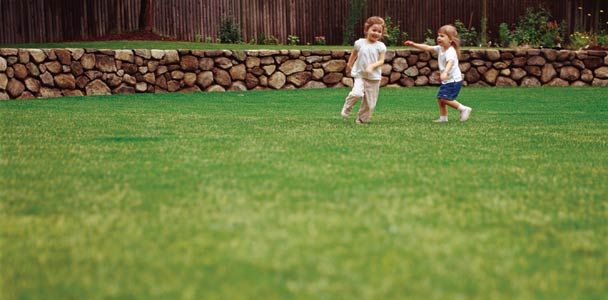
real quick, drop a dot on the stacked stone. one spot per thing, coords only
(30, 73)
(535, 67)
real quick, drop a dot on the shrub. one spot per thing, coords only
(271, 40)
(528, 30)
(293, 39)
(468, 36)
(535, 29)
(265, 39)
(258, 39)
(579, 40)
(319, 40)
(552, 33)
(229, 31)
(394, 36)
(504, 35)
(429, 37)
(602, 40)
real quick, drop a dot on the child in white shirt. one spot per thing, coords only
(448, 47)
(365, 62)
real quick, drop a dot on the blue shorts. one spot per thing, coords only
(449, 91)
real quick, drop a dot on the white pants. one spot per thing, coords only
(366, 89)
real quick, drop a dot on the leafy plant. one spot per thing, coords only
(429, 37)
(265, 39)
(602, 40)
(552, 33)
(535, 29)
(394, 36)
(319, 40)
(271, 40)
(293, 39)
(504, 35)
(229, 31)
(468, 36)
(579, 40)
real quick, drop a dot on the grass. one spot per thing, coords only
(171, 45)
(271, 195)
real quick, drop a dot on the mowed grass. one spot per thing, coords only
(271, 195)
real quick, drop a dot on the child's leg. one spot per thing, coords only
(372, 89)
(452, 103)
(465, 111)
(352, 98)
(443, 111)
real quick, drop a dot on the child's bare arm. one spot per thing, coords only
(420, 46)
(352, 58)
(377, 64)
(448, 68)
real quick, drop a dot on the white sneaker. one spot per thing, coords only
(440, 121)
(465, 114)
(344, 115)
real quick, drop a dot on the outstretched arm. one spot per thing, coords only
(419, 46)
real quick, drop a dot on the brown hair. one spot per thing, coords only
(375, 20)
(452, 34)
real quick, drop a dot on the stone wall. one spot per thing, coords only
(30, 73)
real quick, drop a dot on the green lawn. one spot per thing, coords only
(271, 195)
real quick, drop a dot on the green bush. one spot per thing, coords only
(319, 40)
(468, 36)
(533, 28)
(602, 40)
(266, 39)
(429, 37)
(229, 31)
(579, 40)
(271, 40)
(504, 35)
(293, 40)
(394, 36)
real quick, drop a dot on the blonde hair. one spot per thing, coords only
(375, 20)
(452, 34)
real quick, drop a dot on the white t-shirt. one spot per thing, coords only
(445, 56)
(369, 53)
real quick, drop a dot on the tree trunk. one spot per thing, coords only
(484, 23)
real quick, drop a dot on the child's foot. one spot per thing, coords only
(344, 115)
(440, 121)
(358, 121)
(465, 114)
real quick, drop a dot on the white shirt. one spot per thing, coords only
(369, 53)
(446, 56)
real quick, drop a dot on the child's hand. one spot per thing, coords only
(369, 69)
(443, 76)
(408, 43)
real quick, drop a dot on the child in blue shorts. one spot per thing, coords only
(448, 48)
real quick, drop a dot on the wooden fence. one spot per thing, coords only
(26, 21)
